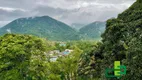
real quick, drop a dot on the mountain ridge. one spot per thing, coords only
(43, 26)
(93, 30)
(48, 27)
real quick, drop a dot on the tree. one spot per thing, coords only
(121, 41)
(65, 68)
(90, 63)
(22, 57)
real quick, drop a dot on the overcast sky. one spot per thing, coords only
(68, 11)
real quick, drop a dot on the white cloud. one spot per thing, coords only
(11, 9)
(68, 11)
(73, 4)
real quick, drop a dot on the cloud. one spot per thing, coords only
(3, 23)
(68, 11)
(73, 4)
(7, 13)
(11, 9)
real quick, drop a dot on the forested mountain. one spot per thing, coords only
(93, 30)
(77, 26)
(121, 41)
(26, 57)
(52, 29)
(44, 26)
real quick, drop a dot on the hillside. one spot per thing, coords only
(118, 56)
(93, 30)
(121, 41)
(44, 26)
(77, 26)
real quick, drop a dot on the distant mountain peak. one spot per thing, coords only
(43, 26)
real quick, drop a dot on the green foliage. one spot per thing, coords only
(122, 41)
(121, 34)
(65, 68)
(93, 30)
(60, 47)
(86, 46)
(90, 64)
(22, 58)
(47, 27)
(44, 26)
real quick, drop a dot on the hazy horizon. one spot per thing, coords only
(67, 11)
